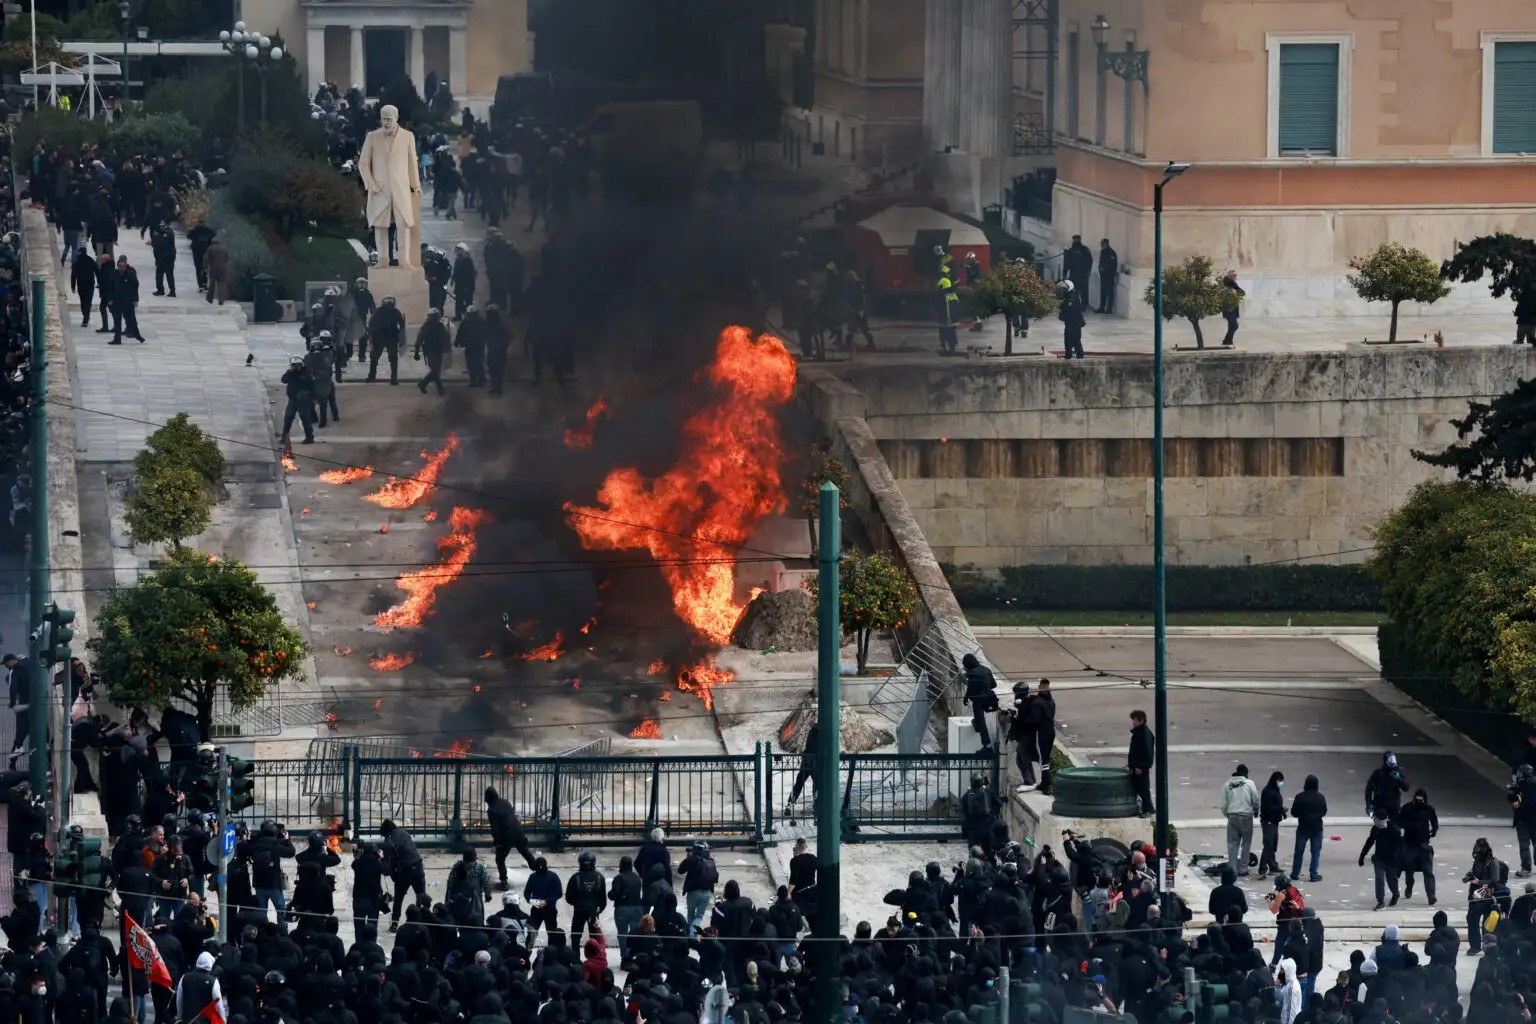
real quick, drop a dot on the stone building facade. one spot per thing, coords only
(1270, 457)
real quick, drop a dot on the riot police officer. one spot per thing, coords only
(386, 329)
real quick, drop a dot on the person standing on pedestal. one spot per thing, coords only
(392, 177)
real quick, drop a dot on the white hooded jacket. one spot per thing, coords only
(1239, 796)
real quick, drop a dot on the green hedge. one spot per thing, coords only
(1497, 730)
(1191, 588)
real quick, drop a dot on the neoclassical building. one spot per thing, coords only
(467, 43)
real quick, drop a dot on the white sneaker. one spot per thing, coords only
(1025, 787)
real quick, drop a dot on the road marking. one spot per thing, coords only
(1279, 686)
(1297, 748)
(1332, 822)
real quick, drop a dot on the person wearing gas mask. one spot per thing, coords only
(1385, 788)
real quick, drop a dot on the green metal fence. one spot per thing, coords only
(731, 800)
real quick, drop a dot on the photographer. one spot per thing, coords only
(1286, 904)
(1385, 788)
(1484, 880)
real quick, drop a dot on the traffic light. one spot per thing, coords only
(203, 792)
(242, 784)
(1213, 1003)
(59, 633)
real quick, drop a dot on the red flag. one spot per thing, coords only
(143, 955)
(214, 1014)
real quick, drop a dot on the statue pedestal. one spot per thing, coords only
(409, 287)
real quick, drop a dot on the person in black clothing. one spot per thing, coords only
(1271, 814)
(1309, 808)
(1109, 268)
(200, 237)
(1387, 842)
(1228, 901)
(1420, 825)
(1525, 316)
(125, 300)
(653, 854)
(1071, 316)
(465, 277)
(506, 833)
(627, 894)
(1233, 311)
(807, 772)
(162, 243)
(367, 888)
(981, 695)
(1385, 788)
(299, 386)
(804, 870)
(1522, 801)
(1024, 734)
(82, 281)
(106, 283)
(433, 342)
(586, 892)
(386, 329)
(405, 868)
(1077, 265)
(471, 337)
(1140, 759)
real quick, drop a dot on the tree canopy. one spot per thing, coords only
(1457, 564)
(1502, 434)
(178, 476)
(189, 628)
(1012, 288)
(875, 593)
(1191, 291)
(1509, 262)
(1395, 273)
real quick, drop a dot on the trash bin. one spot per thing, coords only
(264, 298)
(1094, 791)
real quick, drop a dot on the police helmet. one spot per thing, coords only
(700, 846)
(134, 822)
(587, 860)
(274, 979)
(1065, 287)
(325, 335)
(389, 300)
(434, 312)
(361, 284)
(316, 308)
(316, 839)
(36, 839)
(76, 830)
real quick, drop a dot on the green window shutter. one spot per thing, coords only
(1514, 98)
(1309, 99)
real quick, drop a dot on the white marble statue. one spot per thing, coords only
(392, 175)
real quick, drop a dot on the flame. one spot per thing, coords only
(333, 840)
(692, 517)
(351, 474)
(487, 654)
(384, 528)
(304, 511)
(646, 730)
(378, 703)
(309, 604)
(548, 652)
(430, 516)
(582, 437)
(656, 668)
(288, 463)
(406, 491)
(331, 719)
(586, 627)
(342, 651)
(390, 662)
(665, 695)
(704, 677)
(457, 748)
(456, 550)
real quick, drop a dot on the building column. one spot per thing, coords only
(314, 56)
(941, 71)
(418, 45)
(458, 61)
(986, 77)
(358, 72)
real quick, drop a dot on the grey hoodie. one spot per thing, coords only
(1239, 796)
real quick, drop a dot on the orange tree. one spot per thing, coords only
(824, 468)
(1397, 274)
(1013, 289)
(876, 594)
(193, 625)
(1193, 292)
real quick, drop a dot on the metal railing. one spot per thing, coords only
(729, 799)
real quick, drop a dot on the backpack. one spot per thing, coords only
(710, 874)
(262, 857)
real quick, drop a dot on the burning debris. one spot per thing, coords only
(288, 463)
(349, 475)
(646, 730)
(457, 748)
(586, 627)
(544, 652)
(581, 437)
(703, 678)
(693, 517)
(406, 491)
(430, 516)
(390, 662)
(456, 550)
(341, 651)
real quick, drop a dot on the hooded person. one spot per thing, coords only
(1420, 825)
(1309, 808)
(198, 989)
(1385, 788)
(1271, 814)
(1239, 805)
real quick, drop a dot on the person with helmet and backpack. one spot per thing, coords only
(266, 853)
(587, 893)
(469, 887)
(700, 876)
(405, 867)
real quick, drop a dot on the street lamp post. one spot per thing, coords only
(125, 12)
(1159, 556)
(245, 46)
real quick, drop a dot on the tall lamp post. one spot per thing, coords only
(125, 12)
(1159, 556)
(245, 46)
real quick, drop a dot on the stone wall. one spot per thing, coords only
(1270, 457)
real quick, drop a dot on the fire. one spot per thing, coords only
(430, 516)
(378, 703)
(456, 550)
(457, 748)
(586, 627)
(693, 517)
(656, 668)
(406, 491)
(548, 652)
(309, 604)
(582, 437)
(351, 474)
(646, 730)
(384, 528)
(304, 511)
(331, 719)
(333, 840)
(390, 662)
(342, 651)
(665, 695)
(288, 463)
(488, 654)
(703, 678)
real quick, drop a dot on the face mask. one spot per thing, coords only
(42, 990)
(989, 983)
(1280, 784)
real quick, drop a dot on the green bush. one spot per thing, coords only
(295, 195)
(402, 94)
(249, 253)
(1190, 588)
(198, 98)
(317, 258)
(157, 134)
(53, 127)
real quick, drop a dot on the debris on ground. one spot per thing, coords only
(785, 621)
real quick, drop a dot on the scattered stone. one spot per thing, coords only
(861, 732)
(784, 621)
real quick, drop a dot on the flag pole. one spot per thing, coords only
(128, 972)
